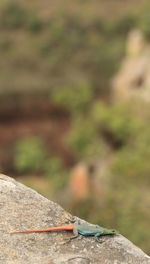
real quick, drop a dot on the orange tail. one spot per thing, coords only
(56, 228)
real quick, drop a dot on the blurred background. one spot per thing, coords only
(75, 107)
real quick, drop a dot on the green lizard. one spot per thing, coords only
(77, 229)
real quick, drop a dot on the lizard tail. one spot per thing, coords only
(57, 228)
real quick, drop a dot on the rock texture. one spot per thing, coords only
(23, 208)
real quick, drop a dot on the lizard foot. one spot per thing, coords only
(99, 240)
(71, 238)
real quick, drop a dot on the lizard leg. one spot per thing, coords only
(76, 234)
(98, 238)
(67, 240)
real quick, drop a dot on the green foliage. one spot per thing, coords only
(56, 173)
(13, 15)
(5, 44)
(57, 28)
(113, 126)
(121, 26)
(67, 49)
(34, 24)
(115, 121)
(75, 99)
(144, 23)
(53, 167)
(132, 163)
(29, 155)
(83, 139)
(130, 180)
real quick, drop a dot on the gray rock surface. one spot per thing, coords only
(23, 208)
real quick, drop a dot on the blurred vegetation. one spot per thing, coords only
(30, 155)
(57, 174)
(61, 50)
(130, 179)
(75, 99)
(73, 57)
(13, 16)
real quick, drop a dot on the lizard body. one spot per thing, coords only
(82, 229)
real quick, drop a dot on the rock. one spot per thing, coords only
(132, 82)
(22, 208)
(135, 43)
(79, 183)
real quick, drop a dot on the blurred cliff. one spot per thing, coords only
(133, 80)
(74, 107)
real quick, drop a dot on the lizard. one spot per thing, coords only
(76, 228)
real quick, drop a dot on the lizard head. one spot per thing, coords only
(114, 232)
(110, 231)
